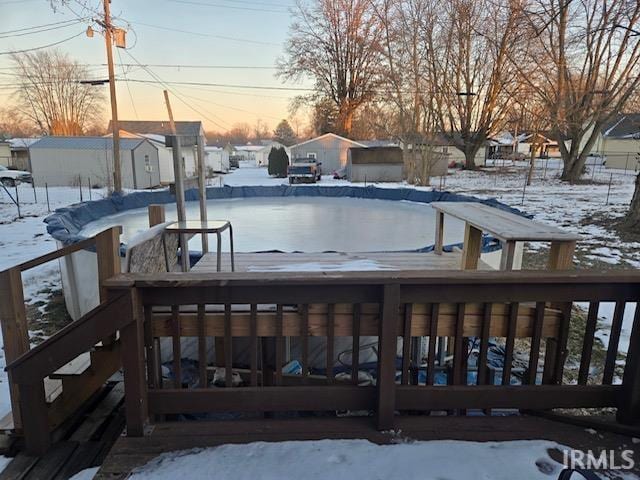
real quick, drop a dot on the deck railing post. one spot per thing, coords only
(629, 410)
(387, 343)
(15, 331)
(35, 425)
(133, 362)
(108, 251)
(156, 214)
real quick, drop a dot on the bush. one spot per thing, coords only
(278, 162)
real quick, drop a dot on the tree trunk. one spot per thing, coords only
(632, 219)
(470, 159)
(572, 168)
(534, 149)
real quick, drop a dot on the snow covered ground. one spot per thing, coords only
(348, 459)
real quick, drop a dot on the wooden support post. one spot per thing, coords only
(15, 330)
(471, 248)
(135, 385)
(178, 170)
(202, 190)
(156, 215)
(561, 255)
(437, 249)
(36, 424)
(507, 256)
(387, 343)
(629, 410)
(108, 251)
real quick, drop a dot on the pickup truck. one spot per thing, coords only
(9, 177)
(304, 170)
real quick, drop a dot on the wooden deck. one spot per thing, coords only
(130, 452)
(317, 262)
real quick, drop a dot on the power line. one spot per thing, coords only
(36, 27)
(201, 34)
(159, 80)
(42, 46)
(175, 65)
(217, 5)
(124, 74)
(227, 85)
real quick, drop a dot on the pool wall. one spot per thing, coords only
(79, 270)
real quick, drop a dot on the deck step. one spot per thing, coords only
(77, 366)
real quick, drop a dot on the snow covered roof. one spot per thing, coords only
(378, 143)
(86, 143)
(357, 144)
(250, 148)
(20, 143)
(159, 127)
(626, 125)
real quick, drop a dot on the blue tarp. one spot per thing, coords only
(66, 223)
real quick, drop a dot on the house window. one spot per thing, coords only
(445, 149)
(312, 155)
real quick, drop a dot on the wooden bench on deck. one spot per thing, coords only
(507, 227)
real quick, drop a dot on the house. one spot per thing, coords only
(619, 142)
(216, 159)
(504, 144)
(329, 149)
(262, 155)
(65, 161)
(375, 164)
(449, 153)
(20, 152)
(158, 130)
(5, 153)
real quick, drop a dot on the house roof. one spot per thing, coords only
(377, 143)
(357, 144)
(22, 143)
(160, 127)
(624, 125)
(86, 143)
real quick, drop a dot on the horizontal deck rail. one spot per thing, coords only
(396, 308)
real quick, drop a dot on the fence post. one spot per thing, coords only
(387, 342)
(156, 215)
(135, 385)
(15, 331)
(108, 251)
(629, 410)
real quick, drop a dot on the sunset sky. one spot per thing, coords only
(227, 33)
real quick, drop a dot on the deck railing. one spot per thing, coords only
(392, 306)
(70, 390)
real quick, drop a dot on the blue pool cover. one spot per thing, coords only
(66, 223)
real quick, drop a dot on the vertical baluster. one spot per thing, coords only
(587, 343)
(330, 341)
(512, 325)
(459, 350)
(305, 343)
(355, 349)
(406, 343)
(614, 341)
(253, 348)
(228, 353)
(177, 351)
(202, 347)
(484, 343)
(535, 343)
(433, 337)
(279, 345)
(149, 344)
(563, 339)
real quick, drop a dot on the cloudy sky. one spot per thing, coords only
(169, 37)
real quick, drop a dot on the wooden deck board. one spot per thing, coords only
(129, 452)
(333, 261)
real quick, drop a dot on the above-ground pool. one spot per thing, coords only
(305, 224)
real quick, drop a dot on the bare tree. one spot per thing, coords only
(335, 43)
(50, 93)
(590, 58)
(469, 72)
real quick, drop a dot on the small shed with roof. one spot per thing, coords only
(67, 161)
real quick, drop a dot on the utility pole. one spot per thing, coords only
(117, 174)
